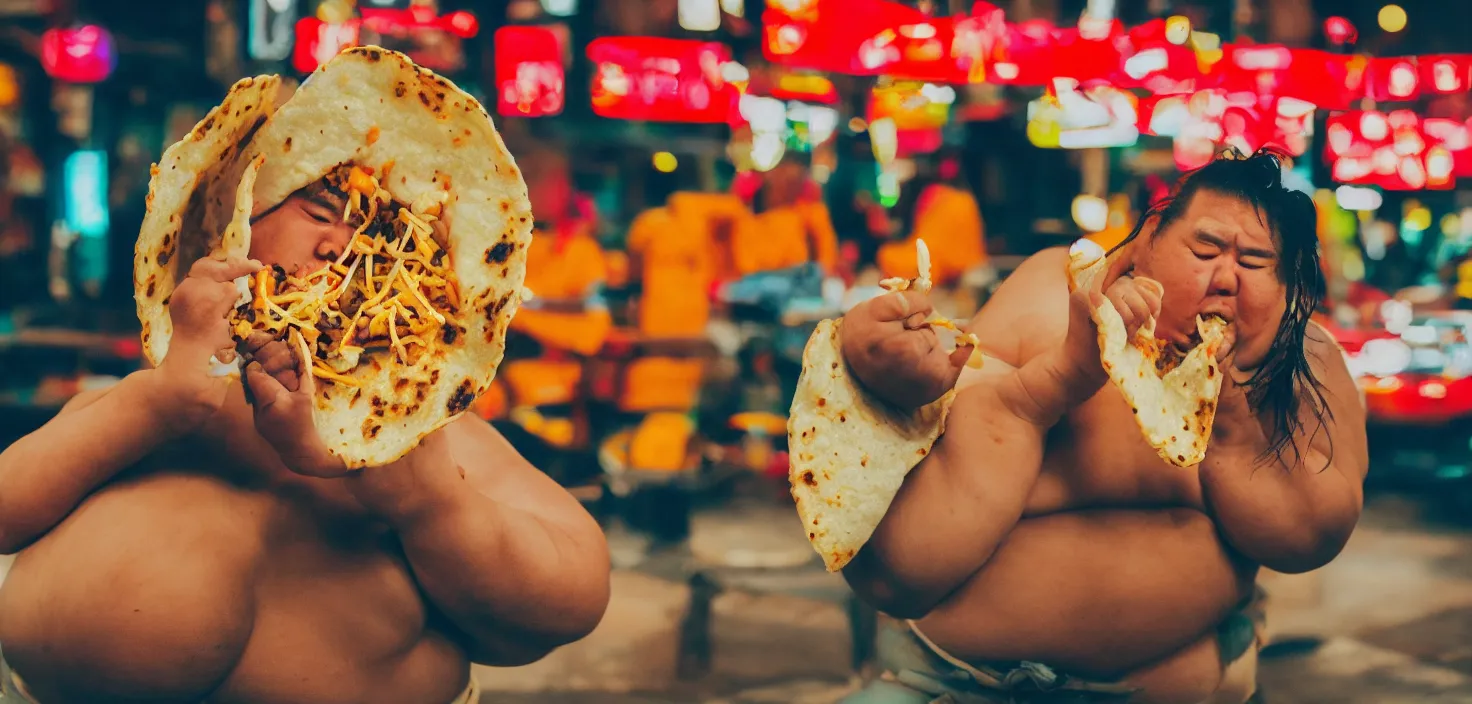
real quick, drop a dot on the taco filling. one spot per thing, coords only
(390, 294)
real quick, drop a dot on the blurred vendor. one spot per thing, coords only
(938, 207)
(565, 265)
(790, 225)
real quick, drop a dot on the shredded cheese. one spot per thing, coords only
(393, 306)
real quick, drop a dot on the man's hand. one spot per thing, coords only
(198, 308)
(281, 388)
(896, 354)
(1136, 299)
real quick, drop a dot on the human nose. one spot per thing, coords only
(328, 249)
(1224, 278)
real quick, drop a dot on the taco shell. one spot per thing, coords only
(426, 140)
(191, 202)
(849, 451)
(1174, 410)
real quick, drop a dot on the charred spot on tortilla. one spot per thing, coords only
(809, 479)
(499, 253)
(462, 398)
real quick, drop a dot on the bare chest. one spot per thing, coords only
(290, 583)
(1097, 458)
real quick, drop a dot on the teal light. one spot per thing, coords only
(85, 174)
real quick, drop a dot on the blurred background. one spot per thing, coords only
(712, 177)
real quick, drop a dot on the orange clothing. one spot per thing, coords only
(568, 270)
(715, 217)
(950, 223)
(675, 253)
(785, 237)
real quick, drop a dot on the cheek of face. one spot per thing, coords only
(1260, 309)
(1184, 279)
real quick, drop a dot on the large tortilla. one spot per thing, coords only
(191, 201)
(375, 108)
(849, 451)
(1175, 411)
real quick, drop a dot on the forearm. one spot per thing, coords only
(515, 583)
(1289, 519)
(44, 475)
(954, 509)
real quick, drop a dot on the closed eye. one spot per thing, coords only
(319, 215)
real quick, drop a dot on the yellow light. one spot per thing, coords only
(1451, 225)
(1419, 218)
(884, 138)
(665, 162)
(1392, 18)
(857, 124)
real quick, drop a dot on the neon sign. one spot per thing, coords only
(270, 29)
(1397, 150)
(661, 80)
(78, 55)
(318, 41)
(1071, 118)
(529, 74)
(85, 176)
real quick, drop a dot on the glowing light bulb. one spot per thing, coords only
(665, 162)
(1392, 18)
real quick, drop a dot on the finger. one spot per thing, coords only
(1139, 307)
(256, 341)
(1228, 346)
(894, 307)
(227, 270)
(917, 321)
(1153, 293)
(266, 393)
(1119, 263)
(961, 355)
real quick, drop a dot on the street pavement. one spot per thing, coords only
(1388, 622)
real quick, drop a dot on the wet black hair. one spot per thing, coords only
(1285, 382)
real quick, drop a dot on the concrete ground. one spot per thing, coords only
(1394, 612)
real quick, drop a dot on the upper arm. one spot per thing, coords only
(496, 470)
(1342, 439)
(1029, 312)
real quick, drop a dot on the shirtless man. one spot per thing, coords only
(1043, 545)
(174, 549)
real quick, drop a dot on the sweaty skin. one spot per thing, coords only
(170, 552)
(1042, 527)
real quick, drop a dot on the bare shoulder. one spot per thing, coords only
(1029, 311)
(1326, 360)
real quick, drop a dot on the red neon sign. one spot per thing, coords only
(661, 80)
(529, 75)
(78, 55)
(1397, 150)
(318, 41)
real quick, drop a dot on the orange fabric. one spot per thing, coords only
(950, 223)
(539, 382)
(661, 442)
(716, 217)
(565, 268)
(676, 268)
(785, 237)
(661, 384)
